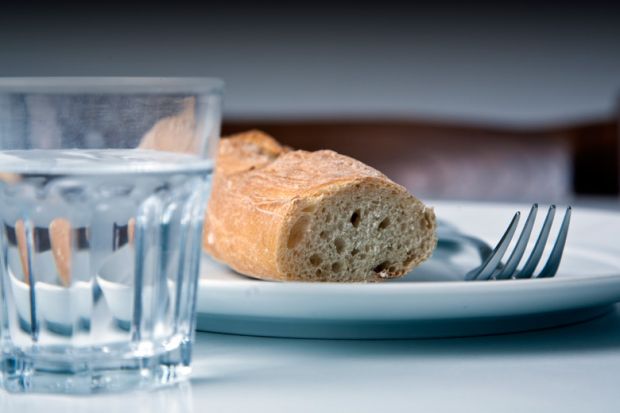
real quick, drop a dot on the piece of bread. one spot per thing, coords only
(60, 239)
(278, 214)
(174, 133)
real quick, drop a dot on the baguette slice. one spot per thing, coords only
(278, 214)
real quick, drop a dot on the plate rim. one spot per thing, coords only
(256, 287)
(603, 255)
(608, 251)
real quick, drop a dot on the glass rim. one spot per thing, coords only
(121, 85)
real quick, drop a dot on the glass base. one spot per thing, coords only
(22, 374)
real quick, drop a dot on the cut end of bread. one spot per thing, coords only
(364, 231)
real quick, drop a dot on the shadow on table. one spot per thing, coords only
(176, 398)
(600, 334)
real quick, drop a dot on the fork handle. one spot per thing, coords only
(451, 238)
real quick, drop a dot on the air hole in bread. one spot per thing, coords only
(298, 231)
(339, 243)
(315, 260)
(323, 234)
(319, 272)
(381, 267)
(385, 223)
(409, 259)
(354, 251)
(428, 219)
(356, 218)
(336, 267)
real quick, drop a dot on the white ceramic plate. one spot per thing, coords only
(432, 301)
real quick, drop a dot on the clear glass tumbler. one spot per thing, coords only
(103, 183)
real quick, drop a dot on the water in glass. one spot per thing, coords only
(100, 252)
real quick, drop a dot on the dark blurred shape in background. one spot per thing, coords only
(510, 101)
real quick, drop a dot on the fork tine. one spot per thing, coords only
(551, 267)
(517, 253)
(493, 260)
(532, 262)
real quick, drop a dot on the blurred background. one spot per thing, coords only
(499, 101)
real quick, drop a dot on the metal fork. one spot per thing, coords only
(492, 267)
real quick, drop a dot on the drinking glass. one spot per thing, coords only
(103, 184)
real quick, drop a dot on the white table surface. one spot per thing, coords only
(569, 369)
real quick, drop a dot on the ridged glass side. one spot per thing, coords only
(99, 278)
